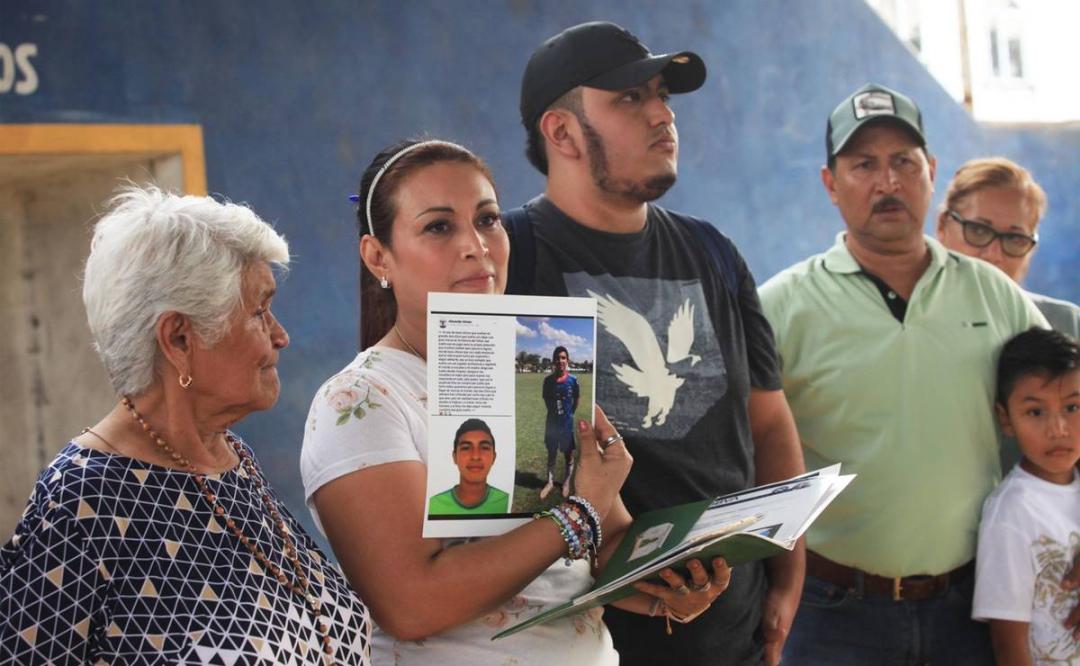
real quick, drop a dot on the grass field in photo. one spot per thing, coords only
(531, 464)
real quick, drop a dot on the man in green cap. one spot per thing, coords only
(887, 343)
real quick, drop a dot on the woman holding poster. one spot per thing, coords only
(429, 222)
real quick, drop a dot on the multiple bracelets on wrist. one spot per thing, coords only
(579, 525)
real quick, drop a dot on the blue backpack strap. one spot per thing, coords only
(720, 250)
(522, 271)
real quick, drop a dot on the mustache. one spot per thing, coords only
(665, 133)
(888, 201)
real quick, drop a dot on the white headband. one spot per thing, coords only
(390, 162)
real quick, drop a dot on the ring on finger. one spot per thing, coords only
(611, 440)
(701, 588)
(682, 590)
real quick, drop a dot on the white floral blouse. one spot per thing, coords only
(375, 411)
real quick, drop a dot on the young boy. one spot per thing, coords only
(1030, 531)
(561, 393)
(474, 454)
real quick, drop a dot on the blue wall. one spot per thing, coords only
(295, 98)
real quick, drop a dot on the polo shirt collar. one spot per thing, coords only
(838, 258)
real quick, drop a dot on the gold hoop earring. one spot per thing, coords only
(185, 384)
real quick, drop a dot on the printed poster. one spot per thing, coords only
(508, 377)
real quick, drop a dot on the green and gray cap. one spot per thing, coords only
(871, 103)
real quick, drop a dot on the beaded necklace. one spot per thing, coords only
(301, 586)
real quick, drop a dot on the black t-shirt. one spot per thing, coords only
(677, 354)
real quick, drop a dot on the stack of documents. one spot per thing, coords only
(740, 527)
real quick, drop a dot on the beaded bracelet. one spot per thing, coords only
(574, 529)
(564, 531)
(585, 523)
(580, 525)
(592, 515)
(577, 534)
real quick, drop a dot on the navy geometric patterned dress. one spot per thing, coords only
(117, 561)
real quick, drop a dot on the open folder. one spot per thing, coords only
(743, 526)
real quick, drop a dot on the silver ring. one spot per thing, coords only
(682, 590)
(701, 588)
(611, 440)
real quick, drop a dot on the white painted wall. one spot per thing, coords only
(1049, 50)
(52, 384)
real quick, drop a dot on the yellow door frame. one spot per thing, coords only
(112, 139)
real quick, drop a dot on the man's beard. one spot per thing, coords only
(648, 190)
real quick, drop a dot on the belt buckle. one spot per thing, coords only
(897, 589)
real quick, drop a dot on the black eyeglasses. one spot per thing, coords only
(981, 234)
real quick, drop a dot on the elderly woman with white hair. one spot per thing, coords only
(152, 536)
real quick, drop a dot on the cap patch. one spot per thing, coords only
(873, 103)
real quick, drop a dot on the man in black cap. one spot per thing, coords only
(888, 343)
(686, 364)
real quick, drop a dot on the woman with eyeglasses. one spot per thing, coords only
(992, 211)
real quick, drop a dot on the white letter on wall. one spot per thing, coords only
(23, 53)
(7, 68)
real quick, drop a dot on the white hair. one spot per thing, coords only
(156, 252)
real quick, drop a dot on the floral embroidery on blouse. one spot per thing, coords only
(512, 610)
(590, 620)
(353, 402)
(352, 395)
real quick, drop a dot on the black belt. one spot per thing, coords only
(906, 588)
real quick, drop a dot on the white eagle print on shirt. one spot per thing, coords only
(652, 378)
(659, 367)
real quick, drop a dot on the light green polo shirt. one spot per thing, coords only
(906, 406)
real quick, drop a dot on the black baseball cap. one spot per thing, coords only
(871, 103)
(601, 55)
